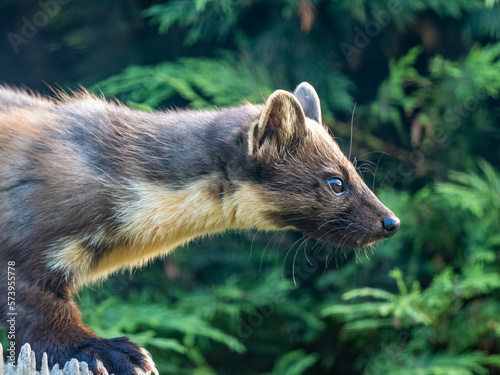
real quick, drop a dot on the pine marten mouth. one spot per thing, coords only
(353, 243)
(354, 236)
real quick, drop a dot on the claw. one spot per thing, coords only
(100, 367)
(141, 372)
(145, 351)
(150, 365)
(152, 368)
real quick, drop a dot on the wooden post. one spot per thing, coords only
(26, 365)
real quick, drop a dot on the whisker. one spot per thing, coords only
(366, 165)
(307, 258)
(345, 237)
(331, 222)
(251, 245)
(375, 174)
(279, 245)
(294, 259)
(264, 251)
(387, 175)
(352, 124)
(366, 161)
(330, 231)
(327, 262)
(288, 252)
(375, 152)
(348, 227)
(369, 171)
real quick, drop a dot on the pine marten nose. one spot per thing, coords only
(391, 225)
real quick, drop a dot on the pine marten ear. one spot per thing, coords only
(308, 98)
(281, 123)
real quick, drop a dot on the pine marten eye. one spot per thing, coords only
(336, 185)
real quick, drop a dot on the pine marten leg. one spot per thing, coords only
(51, 322)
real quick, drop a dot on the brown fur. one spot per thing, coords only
(88, 188)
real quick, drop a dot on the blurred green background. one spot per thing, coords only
(425, 77)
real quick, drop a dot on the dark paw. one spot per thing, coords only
(117, 356)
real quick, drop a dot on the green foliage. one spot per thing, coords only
(294, 363)
(201, 82)
(205, 18)
(434, 112)
(406, 362)
(452, 90)
(427, 87)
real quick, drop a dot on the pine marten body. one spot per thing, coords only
(89, 187)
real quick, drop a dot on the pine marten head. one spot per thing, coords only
(311, 185)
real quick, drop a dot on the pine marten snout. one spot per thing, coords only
(89, 187)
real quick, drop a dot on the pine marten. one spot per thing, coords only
(90, 187)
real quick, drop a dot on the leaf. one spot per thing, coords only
(294, 363)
